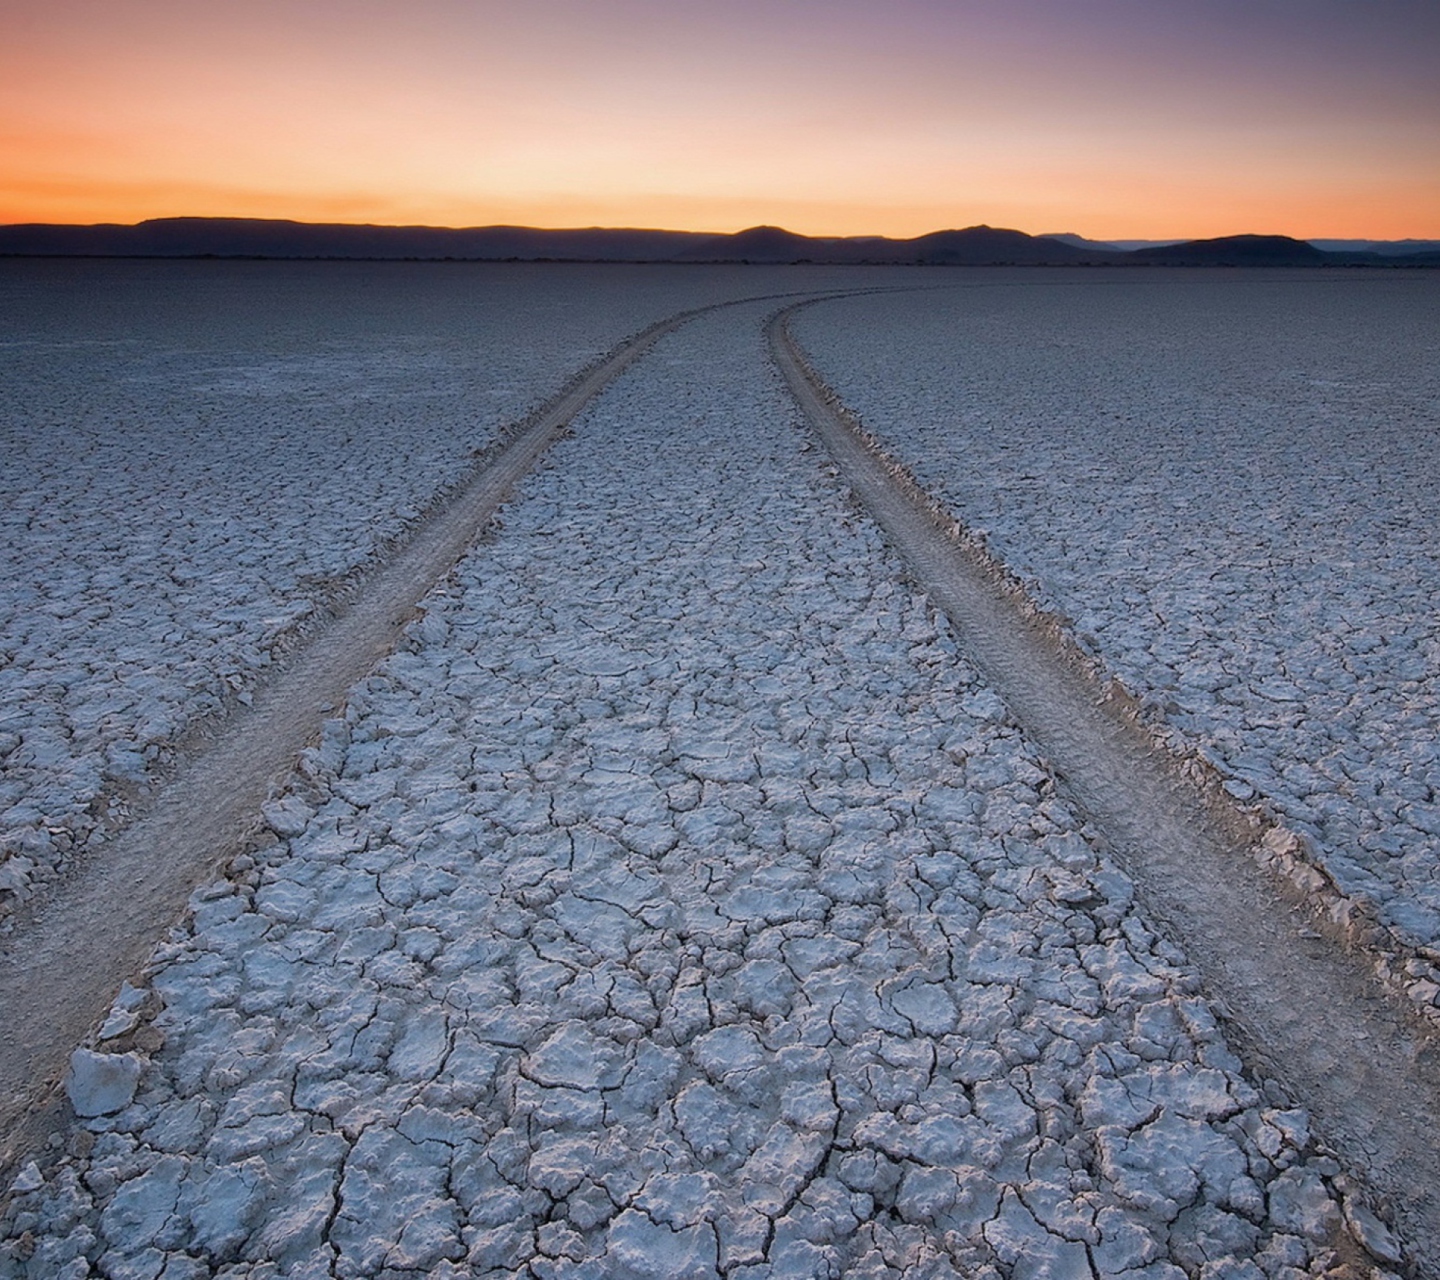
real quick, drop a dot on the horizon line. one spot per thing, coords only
(760, 226)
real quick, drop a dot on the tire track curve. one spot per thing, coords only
(76, 942)
(1304, 1010)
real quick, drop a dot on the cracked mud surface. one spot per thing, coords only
(1367, 1067)
(677, 902)
(200, 459)
(212, 808)
(1226, 480)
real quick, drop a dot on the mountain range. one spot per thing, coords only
(972, 246)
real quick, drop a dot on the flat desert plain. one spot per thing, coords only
(680, 895)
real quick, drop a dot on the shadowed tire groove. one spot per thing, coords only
(1305, 1011)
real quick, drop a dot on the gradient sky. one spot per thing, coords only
(1112, 118)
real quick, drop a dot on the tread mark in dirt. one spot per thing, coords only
(1312, 1016)
(77, 941)
(74, 945)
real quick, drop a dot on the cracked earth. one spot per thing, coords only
(678, 901)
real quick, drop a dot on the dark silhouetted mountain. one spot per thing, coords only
(1349, 248)
(1117, 246)
(971, 246)
(1075, 241)
(996, 246)
(1386, 248)
(1234, 251)
(265, 238)
(762, 244)
(1269, 251)
(276, 238)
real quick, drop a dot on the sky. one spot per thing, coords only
(1109, 118)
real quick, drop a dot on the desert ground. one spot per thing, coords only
(688, 888)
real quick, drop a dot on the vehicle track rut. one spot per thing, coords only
(1305, 1011)
(73, 946)
(75, 943)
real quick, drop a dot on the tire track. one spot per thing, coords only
(1306, 1011)
(76, 942)
(74, 945)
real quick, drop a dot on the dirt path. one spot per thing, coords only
(71, 950)
(1306, 1012)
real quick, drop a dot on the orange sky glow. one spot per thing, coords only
(1113, 118)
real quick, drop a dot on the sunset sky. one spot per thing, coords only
(1112, 118)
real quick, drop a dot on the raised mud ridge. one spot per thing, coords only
(1320, 996)
(74, 943)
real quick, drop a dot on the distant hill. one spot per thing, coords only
(1387, 248)
(1119, 246)
(1269, 251)
(267, 238)
(1348, 248)
(972, 246)
(277, 238)
(1234, 251)
(983, 245)
(764, 244)
(969, 246)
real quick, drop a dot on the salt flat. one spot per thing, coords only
(677, 901)
(1227, 482)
